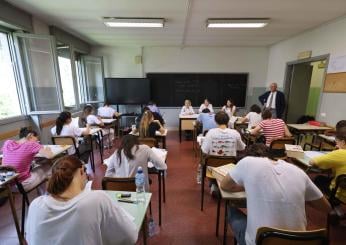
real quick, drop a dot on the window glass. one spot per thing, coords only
(9, 100)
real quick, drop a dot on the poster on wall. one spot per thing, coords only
(335, 81)
(337, 64)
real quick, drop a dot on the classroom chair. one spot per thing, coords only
(277, 147)
(212, 161)
(118, 184)
(273, 236)
(69, 140)
(337, 213)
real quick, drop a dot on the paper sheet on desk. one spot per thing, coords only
(312, 154)
(161, 153)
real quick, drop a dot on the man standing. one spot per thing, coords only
(274, 198)
(273, 100)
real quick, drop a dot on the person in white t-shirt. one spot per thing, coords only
(254, 117)
(274, 198)
(187, 109)
(222, 141)
(65, 127)
(125, 161)
(229, 108)
(106, 111)
(206, 105)
(72, 215)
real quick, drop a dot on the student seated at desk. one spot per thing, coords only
(336, 161)
(187, 109)
(89, 118)
(207, 119)
(206, 105)
(19, 154)
(72, 215)
(229, 108)
(254, 117)
(65, 127)
(273, 197)
(271, 128)
(125, 161)
(148, 126)
(222, 141)
(106, 111)
(156, 115)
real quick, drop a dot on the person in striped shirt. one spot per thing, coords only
(272, 128)
(20, 153)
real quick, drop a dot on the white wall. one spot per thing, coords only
(120, 62)
(330, 39)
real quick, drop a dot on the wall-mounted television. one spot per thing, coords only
(123, 91)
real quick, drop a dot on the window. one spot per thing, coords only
(9, 100)
(93, 67)
(66, 77)
(80, 78)
(39, 73)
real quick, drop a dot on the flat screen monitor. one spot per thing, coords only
(123, 91)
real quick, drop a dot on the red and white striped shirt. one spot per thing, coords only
(272, 128)
(20, 156)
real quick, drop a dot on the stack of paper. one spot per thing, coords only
(294, 151)
(220, 172)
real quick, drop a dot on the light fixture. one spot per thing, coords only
(237, 23)
(133, 22)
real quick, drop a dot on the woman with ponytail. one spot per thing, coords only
(73, 215)
(88, 117)
(148, 126)
(19, 154)
(65, 127)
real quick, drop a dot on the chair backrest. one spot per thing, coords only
(273, 236)
(279, 144)
(65, 140)
(151, 142)
(118, 184)
(340, 182)
(216, 161)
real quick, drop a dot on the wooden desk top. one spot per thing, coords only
(93, 130)
(307, 127)
(108, 120)
(327, 138)
(233, 196)
(157, 133)
(8, 179)
(193, 116)
(56, 149)
(308, 155)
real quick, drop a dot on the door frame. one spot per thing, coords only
(289, 73)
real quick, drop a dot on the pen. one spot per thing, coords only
(126, 200)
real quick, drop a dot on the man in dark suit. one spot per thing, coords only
(273, 100)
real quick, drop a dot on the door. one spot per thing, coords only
(298, 91)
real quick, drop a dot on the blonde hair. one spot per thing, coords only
(144, 124)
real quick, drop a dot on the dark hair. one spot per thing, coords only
(145, 108)
(87, 110)
(206, 110)
(221, 118)
(63, 172)
(23, 132)
(232, 104)
(258, 150)
(106, 103)
(126, 145)
(341, 124)
(61, 120)
(266, 114)
(151, 102)
(255, 108)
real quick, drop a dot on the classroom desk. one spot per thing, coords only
(304, 129)
(56, 149)
(158, 136)
(235, 199)
(161, 179)
(96, 132)
(136, 210)
(186, 123)
(304, 162)
(328, 139)
(6, 186)
(109, 123)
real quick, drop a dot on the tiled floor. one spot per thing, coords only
(182, 220)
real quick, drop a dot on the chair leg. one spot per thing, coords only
(23, 214)
(164, 186)
(150, 210)
(218, 215)
(202, 185)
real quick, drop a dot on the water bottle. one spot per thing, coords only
(140, 182)
(152, 227)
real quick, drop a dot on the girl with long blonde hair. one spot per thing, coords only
(148, 126)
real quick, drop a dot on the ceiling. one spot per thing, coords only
(186, 20)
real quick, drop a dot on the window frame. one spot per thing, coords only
(19, 88)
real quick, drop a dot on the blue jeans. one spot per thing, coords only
(237, 220)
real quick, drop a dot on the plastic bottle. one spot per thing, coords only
(140, 183)
(152, 227)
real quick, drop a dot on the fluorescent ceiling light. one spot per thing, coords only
(237, 23)
(134, 22)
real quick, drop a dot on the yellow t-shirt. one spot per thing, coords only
(336, 161)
